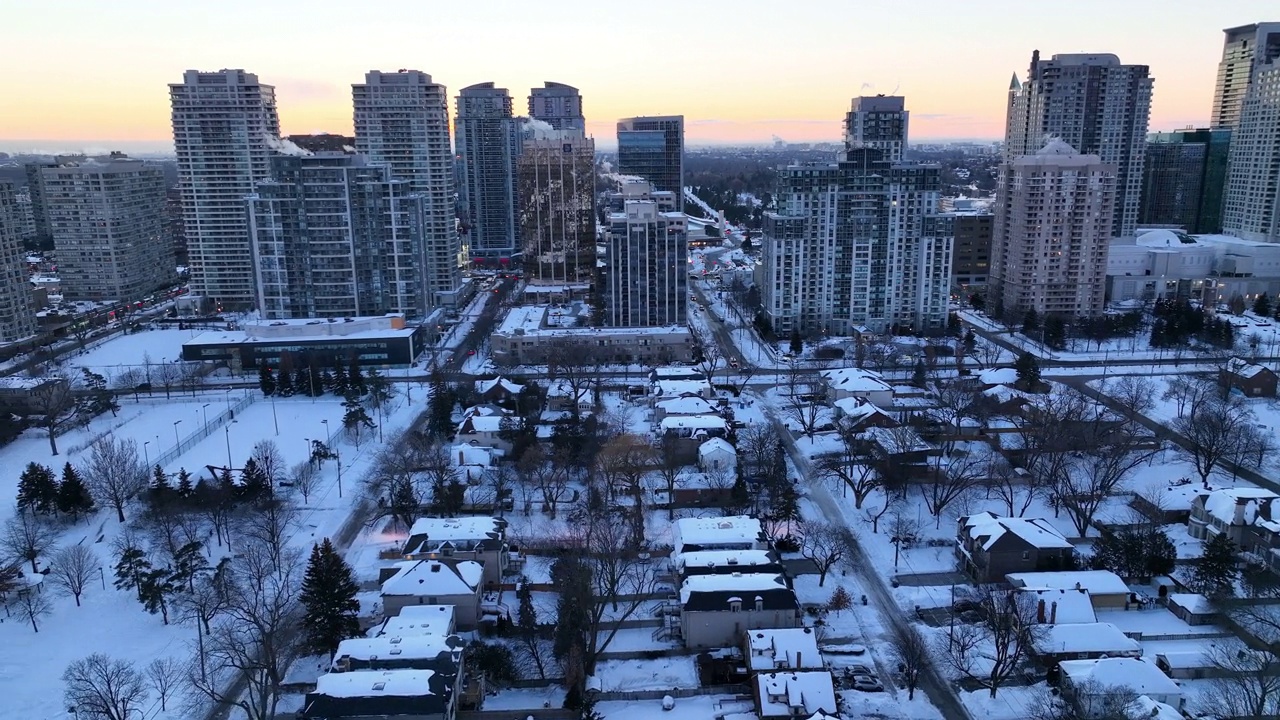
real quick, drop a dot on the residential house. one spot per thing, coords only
(716, 609)
(694, 489)
(1230, 511)
(1145, 707)
(687, 404)
(485, 430)
(697, 427)
(667, 389)
(1107, 591)
(472, 461)
(899, 451)
(562, 398)
(860, 413)
(1061, 607)
(735, 532)
(382, 694)
(499, 391)
(676, 372)
(1251, 379)
(434, 620)
(988, 547)
(856, 382)
(1195, 664)
(725, 562)
(717, 455)
(1082, 641)
(794, 694)
(395, 652)
(995, 377)
(1192, 608)
(481, 539)
(770, 649)
(1087, 684)
(435, 582)
(29, 396)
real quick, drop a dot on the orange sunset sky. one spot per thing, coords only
(88, 74)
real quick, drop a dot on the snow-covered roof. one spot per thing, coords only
(998, 376)
(407, 647)
(781, 691)
(465, 454)
(678, 372)
(693, 422)
(1244, 368)
(1063, 607)
(989, 528)
(1136, 674)
(722, 558)
(1193, 602)
(855, 380)
(745, 583)
(716, 445)
(1223, 504)
(485, 423)
(434, 577)
(483, 387)
(897, 440)
(857, 408)
(375, 683)
(731, 531)
(778, 648)
(1084, 638)
(434, 620)
(1056, 146)
(1145, 707)
(687, 405)
(1097, 582)
(677, 388)
(458, 529)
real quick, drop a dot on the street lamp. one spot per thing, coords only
(146, 455)
(204, 409)
(228, 396)
(310, 455)
(338, 456)
(274, 420)
(102, 576)
(227, 432)
(325, 422)
(176, 442)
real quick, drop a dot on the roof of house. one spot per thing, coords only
(1145, 707)
(998, 376)
(485, 423)
(398, 647)
(1134, 673)
(685, 405)
(1062, 607)
(677, 388)
(695, 422)
(797, 648)
(989, 529)
(716, 445)
(436, 620)
(855, 380)
(727, 560)
(1097, 582)
(431, 534)
(376, 693)
(745, 587)
(465, 454)
(1245, 369)
(1194, 603)
(484, 387)
(897, 440)
(434, 578)
(780, 691)
(711, 533)
(858, 408)
(1222, 504)
(1084, 638)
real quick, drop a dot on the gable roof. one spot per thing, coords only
(745, 587)
(434, 577)
(855, 380)
(1223, 504)
(371, 693)
(1245, 369)
(435, 620)
(711, 533)
(993, 532)
(431, 534)
(778, 692)
(1097, 582)
(1136, 674)
(796, 647)
(694, 422)
(1062, 607)
(715, 445)
(1083, 638)
(484, 387)
(685, 405)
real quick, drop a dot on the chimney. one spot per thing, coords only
(759, 603)
(798, 663)
(1078, 586)
(1053, 613)
(1040, 612)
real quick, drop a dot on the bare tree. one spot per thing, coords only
(72, 568)
(1135, 395)
(572, 363)
(990, 651)
(824, 544)
(100, 687)
(270, 460)
(32, 605)
(304, 479)
(959, 475)
(852, 467)
(27, 538)
(53, 403)
(755, 449)
(129, 381)
(1188, 392)
(806, 403)
(1213, 429)
(256, 637)
(626, 460)
(1099, 473)
(548, 473)
(1017, 490)
(874, 516)
(114, 473)
(911, 651)
(710, 361)
(987, 354)
(270, 524)
(168, 375)
(164, 674)
(1088, 700)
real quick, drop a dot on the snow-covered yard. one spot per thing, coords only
(664, 673)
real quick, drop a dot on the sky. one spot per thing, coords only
(94, 75)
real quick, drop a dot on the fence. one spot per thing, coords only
(194, 438)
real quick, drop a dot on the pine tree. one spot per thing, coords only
(184, 487)
(284, 381)
(254, 484)
(154, 588)
(440, 407)
(1030, 322)
(970, 342)
(840, 600)
(354, 416)
(329, 601)
(1028, 371)
(355, 377)
(302, 382)
(919, 377)
(1262, 306)
(131, 566)
(1215, 572)
(100, 397)
(796, 344)
(266, 380)
(37, 489)
(73, 496)
(188, 561)
(340, 382)
(326, 379)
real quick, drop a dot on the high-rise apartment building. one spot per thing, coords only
(488, 143)
(110, 227)
(1096, 105)
(333, 236)
(1251, 204)
(556, 210)
(35, 196)
(402, 121)
(857, 244)
(225, 129)
(559, 106)
(971, 261)
(1184, 175)
(653, 148)
(646, 267)
(1244, 50)
(1052, 228)
(878, 122)
(17, 319)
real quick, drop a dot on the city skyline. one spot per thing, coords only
(952, 63)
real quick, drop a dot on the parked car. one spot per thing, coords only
(859, 669)
(866, 683)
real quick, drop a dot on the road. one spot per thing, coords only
(939, 691)
(721, 333)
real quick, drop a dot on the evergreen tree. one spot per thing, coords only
(131, 566)
(340, 383)
(329, 600)
(159, 480)
(440, 407)
(919, 377)
(1237, 304)
(1028, 371)
(302, 381)
(184, 487)
(188, 562)
(1030, 322)
(354, 416)
(37, 489)
(266, 380)
(1262, 306)
(326, 379)
(254, 484)
(970, 342)
(154, 588)
(100, 398)
(355, 377)
(797, 344)
(1134, 552)
(315, 379)
(284, 381)
(1215, 572)
(978, 302)
(73, 496)
(1055, 331)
